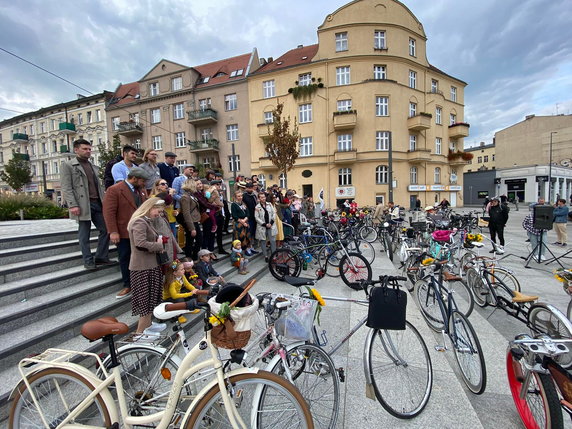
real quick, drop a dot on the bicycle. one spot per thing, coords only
(487, 280)
(397, 366)
(56, 393)
(439, 309)
(538, 382)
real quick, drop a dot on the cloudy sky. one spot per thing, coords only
(515, 55)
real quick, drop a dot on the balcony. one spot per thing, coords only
(129, 129)
(458, 130)
(345, 156)
(263, 130)
(419, 122)
(345, 120)
(459, 157)
(202, 117)
(20, 138)
(419, 155)
(266, 164)
(67, 128)
(206, 145)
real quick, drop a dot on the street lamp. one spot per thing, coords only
(550, 169)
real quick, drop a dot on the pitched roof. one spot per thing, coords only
(294, 57)
(432, 67)
(221, 71)
(125, 94)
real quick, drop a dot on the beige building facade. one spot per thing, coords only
(200, 113)
(371, 98)
(46, 137)
(483, 158)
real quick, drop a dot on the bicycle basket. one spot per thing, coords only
(387, 308)
(483, 222)
(439, 251)
(298, 320)
(234, 333)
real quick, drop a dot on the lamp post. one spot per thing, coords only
(390, 166)
(550, 169)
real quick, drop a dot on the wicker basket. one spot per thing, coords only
(235, 332)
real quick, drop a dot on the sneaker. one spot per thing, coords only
(242, 273)
(557, 243)
(492, 251)
(156, 328)
(124, 292)
(248, 252)
(564, 245)
(90, 266)
(500, 251)
(253, 252)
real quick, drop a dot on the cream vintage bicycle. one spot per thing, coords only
(56, 393)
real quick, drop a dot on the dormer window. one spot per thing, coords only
(204, 79)
(219, 74)
(154, 89)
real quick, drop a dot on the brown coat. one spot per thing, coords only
(118, 207)
(190, 210)
(144, 246)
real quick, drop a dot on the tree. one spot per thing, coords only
(17, 172)
(107, 153)
(282, 144)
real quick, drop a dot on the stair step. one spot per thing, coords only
(43, 238)
(36, 251)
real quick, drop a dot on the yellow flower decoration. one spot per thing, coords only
(316, 295)
(215, 321)
(344, 214)
(427, 261)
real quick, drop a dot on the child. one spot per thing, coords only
(190, 274)
(213, 197)
(174, 282)
(205, 268)
(237, 258)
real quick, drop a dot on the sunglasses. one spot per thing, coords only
(163, 184)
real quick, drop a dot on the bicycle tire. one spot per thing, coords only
(506, 277)
(353, 269)
(401, 371)
(72, 388)
(462, 296)
(315, 375)
(363, 248)
(429, 305)
(467, 261)
(284, 262)
(388, 247)
(478, 286)
(541, 407)
(569, 310)
(368, 234)
(471, 362)
(329, 259)
(547, 319)
(500, 289)
(257, 391)
(412, 275)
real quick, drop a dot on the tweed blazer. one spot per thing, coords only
(190, 211)
(75, 187)
(118, 207)
(144, 246)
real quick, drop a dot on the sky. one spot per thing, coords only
(515, 55)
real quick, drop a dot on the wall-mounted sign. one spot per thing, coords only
(437, 188)
(454, 188)
(417, 188)
(31, 187)
(345, 192)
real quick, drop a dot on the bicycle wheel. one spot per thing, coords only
(500, 289)
(329, 259)
(462, 296)
(468, 352)
(363, 248)
(429, 305)
(569, 310)
(284, 262)
(354, 268)
(368, 234)
(409, 271)
(479, 287)
(262, 400)
(547, 319)
(57, 391)
(506, 277)
(315, 376)
(467, 261)
(388, 246)
(540, 408)
(401, 371)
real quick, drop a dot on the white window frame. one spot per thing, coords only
(343, 75)
(342, 41)
(234, 163)
(413, 176)
(179, 111)
(89, 117)
(345, 176)
(206, 134)
(157, 143)
(155, 116)
(437, 175)
(454, 93)
(180, 140)
(204, 103)
(232, 132)
(115, 123)
(434, 86)
(382, 140)
(412, 142)
(438, 115)
(305, 113)
(452, 119)
(379, 39)
(79, 119)
(438, 145)
(305, 79)
(154, 89)
(268, 89)
(412, 109)
(345, 142)
(381, 106)
(230, 102)
(268, 118)
(282, 180)
(412, 79)
(306, 146)
(412, 47)
(177, 83)
(344, 105)
(42, 127)
(379, 72)
(381, 175)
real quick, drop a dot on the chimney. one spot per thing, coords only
(300, 46)
(270, 59)
(529, 117)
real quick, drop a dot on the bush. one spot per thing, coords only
(34, 206)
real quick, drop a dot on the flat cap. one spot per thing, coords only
(204, 252)
(138, 173)
(216, 182)
(170, 154)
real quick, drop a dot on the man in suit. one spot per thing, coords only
(120, 202)
(168, 169)
(83, 194)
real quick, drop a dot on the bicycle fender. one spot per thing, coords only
(369, 391)
(175, 357)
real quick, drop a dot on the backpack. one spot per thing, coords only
(107, 176)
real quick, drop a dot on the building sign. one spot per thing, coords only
(566, 162)
(32, 187)
(542, 178)
(516, 181)
(482, 194)
(345, 191)
(454, 188)
(437, 187)
(417, 188)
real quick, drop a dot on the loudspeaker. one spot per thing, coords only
(543, 217)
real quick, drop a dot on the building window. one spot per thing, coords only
(98, 115)
(306, 146)
(493, 157)
(437, 175)
(379, 72)
(452, 119)
(54, 147)
(412, 79)
(344, 105)
(155, 116)
(412, 109)
(381, 174)
(230, 102)
(343, 75)
(180, 140)
(379, 39)
(115, 123)
(204, 103)
(412, 48)
(232, 132)
(56, 169)
(32, 129)
(137, 143)
(341, 42)
(344, 142)
(434, 86)
(177, 83)
(382, 140)
(479, 159)
(413, 175)
(268, 89)
(453, 93)
(262, 180)
(179, 111)
(79, 119)
(381, 106)
(486, 158)
(438, 112)
(305, 113)
(412, 142)
(206, 134)
(344, 176)
(154, 89)
(181, 162)
(157, 143)
(89, 117)
(268, 118)
(282, 180)
(42, 127)
(234, 163)
(438, 145)
(305, 79)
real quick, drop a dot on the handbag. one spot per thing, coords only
(387, 308)
(162, 258)
(204, 217)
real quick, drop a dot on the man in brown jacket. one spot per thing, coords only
(120, 202)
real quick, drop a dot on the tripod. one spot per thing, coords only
(537, 251)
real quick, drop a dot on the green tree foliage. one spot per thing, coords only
(107, 152)
(282, 143)
(17, 172)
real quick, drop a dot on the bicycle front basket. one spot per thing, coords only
(387, 308)
(297, 323)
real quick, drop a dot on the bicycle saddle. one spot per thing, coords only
(99, 328)
(519, 297)
(174, 310)
(299, 281)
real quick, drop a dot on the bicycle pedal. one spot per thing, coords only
(439, 348)
(341, 374)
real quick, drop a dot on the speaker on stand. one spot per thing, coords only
(543, 217)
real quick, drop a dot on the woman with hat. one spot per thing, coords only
(190, 219)
(239, 213)
(266, 230)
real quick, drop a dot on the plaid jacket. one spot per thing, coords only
(528, 223)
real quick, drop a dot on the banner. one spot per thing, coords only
(321, 198)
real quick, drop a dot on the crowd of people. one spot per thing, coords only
(141, 208)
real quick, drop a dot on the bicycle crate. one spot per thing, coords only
(419, 226)
(297, 321)
(439, 251)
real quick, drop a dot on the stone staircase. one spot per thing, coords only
(46, 295)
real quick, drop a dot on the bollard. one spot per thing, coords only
(21, 214)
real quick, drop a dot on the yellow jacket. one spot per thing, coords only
(174, 291)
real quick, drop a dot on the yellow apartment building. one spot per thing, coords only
(483, 158)
(375, 117)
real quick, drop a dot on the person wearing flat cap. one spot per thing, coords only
(187, 173)
(204, 268)
(168, 169)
